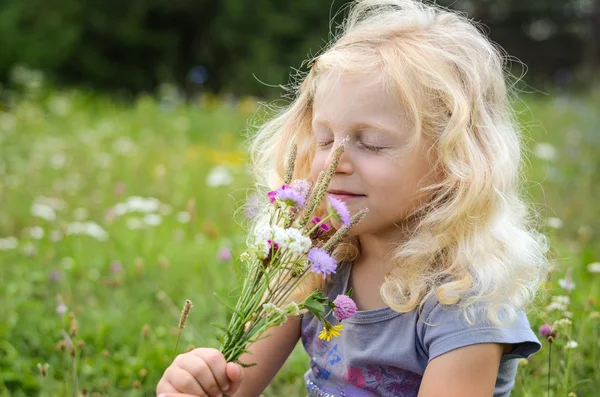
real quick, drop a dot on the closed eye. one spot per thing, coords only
(374, 149)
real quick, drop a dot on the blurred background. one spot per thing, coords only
(124, 189)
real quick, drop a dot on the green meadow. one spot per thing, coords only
(114, 212)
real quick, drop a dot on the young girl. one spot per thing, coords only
(445, 263)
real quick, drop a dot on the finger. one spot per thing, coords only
(216, 362)
(199, 369)
(164, 386)
(235, 373)
(176, 395)
(186, 382)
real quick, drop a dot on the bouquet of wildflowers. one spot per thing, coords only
(282, 252)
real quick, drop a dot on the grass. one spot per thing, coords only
(71, 157)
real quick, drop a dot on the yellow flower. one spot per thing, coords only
(330, 331)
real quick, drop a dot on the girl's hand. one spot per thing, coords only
(201, 372)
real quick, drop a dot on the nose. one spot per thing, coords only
(345, 164)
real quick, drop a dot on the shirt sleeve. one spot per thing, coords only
(445, 328)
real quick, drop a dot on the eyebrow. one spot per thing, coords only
(358, 126)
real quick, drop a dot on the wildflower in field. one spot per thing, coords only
(545, 151)
(344, 307)
(330, 331)
(88, 228)
(321, 262)
(545, 330)
(152, 219)
(571, 345)
(55, 275)
(219, 176)
(567, 283)
(116, 268)
(8, 243)
(36, 232)
(43, 211)
(339, 211)
(61, 308)
(224, 254)
(594, 267)
(555, 223)
(137, 204)
(183, 217)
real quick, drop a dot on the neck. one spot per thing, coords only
(376, 248)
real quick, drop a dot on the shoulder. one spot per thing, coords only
(443, 328)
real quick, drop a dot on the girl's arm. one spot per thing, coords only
(269, 354)
(469, 371)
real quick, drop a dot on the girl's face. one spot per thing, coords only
(378, 170)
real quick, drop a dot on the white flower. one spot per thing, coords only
(8, 243)
(292, 309)
(58, 161)
(567, 283)
(562, 299)
(137, 204)
(262, 248)
(91, 229)
(298, 244)
(556, 306)
(561, 324)
(219, 176)
(183, 217)
(594, 267)
(152, 219)
(43, 211)
(568, 314)
(571, 345)
(554, 223)
(36, 232)
(545, 151)
(281, 237)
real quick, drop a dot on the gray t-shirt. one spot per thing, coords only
(384, 353)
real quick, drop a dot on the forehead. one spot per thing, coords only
(355, 99)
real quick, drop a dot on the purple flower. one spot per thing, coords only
(275, 247)
(545, 330)
(344, 307)
(224, 254)
(116, 268)
(289, 195)
(340, 211)
(321, 262)
(323, 226)
(55, 275)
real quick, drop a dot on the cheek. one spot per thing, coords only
(317, 165)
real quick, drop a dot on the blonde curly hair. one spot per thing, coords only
(474, 240)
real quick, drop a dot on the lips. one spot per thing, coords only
(344, 194)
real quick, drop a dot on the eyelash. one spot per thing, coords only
(374, 149)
